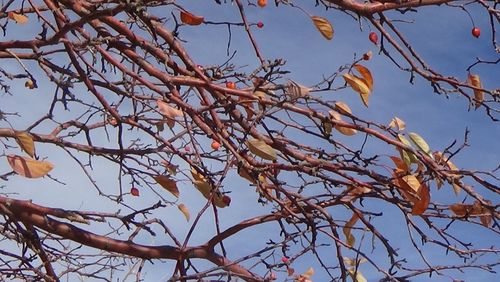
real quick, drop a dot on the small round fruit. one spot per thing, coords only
(187, 149)
(215, 145)
(260, 24)
(373, 36)
(284, 260)
(231, 85)
(367, 56)
(226, 200)
(134, 191)
(262, 3)
(476, 32)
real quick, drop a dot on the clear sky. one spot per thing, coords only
(439, 34)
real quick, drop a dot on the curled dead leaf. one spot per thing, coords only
(167, 183)
(25, 141)
(475, 81)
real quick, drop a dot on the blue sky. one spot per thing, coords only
(440, 34)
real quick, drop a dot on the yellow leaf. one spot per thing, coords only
(421, 205)
(356, 275)
(412, 181)
(342, 129)
(366, 75)
(20, 19)
(324, 26)
(184, 210)
(28, 167)
(397, 123)
(475, 81)
(25, 140)
(191, 19)
(350, 239)
(261, 149)
(197, 176)
(353, 262)
(358, 85)
(420, 143)
(167, 183)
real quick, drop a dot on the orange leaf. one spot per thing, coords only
(366, 75)
(191, 19)
(20, 19)
(475, 81)
(400, 164)
(421, 205)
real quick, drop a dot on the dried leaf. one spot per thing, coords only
(167, 183)
(342, 129)
(350, 239)
(324, 26)
(420, 143)
(309, 272)
(421, 205)
(400, 164)
(191, 19)
(295, 90)
(397, 123)
(28, 167)
(342, 108)
(327, 127)
(366, 75)
(184, 210)
(412, 181)
(354, 262)
(18, 18)
(25, 140)
(466, 209)
(204, 187)
(358, 85)
(475, 81)
(261, 149)
(167, 110)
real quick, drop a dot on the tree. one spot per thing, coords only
(138, 126)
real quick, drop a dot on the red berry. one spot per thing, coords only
(226, 199)
(476, 32)
(187, 148)
(373, 37)
(262, 3)
(134, 191)
(215, 145)
(260, 24)
(284, 260)
(231, 85)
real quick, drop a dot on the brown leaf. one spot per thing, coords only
(350, 239)
(167, 183)
(421, 205)
(184, 210)
(400, 164)
(18, 18)
(25, 140)
(475, 81)
(190, 19)
(324, 26)
(28, 167)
